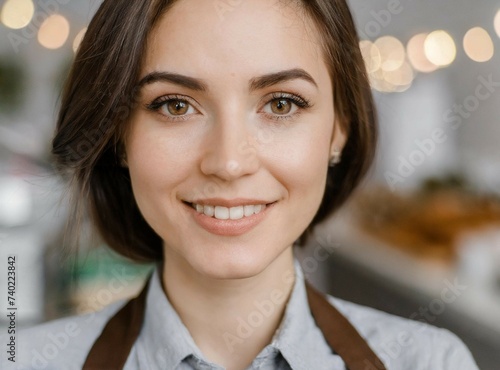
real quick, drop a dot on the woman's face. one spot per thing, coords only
(236, 103)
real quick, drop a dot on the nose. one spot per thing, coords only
(230, 150)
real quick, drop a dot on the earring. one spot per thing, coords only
(335, 158)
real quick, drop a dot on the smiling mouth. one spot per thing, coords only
(228, 213)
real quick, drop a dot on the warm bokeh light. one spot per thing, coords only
(440, 48)
(416, 54)
(378, 82)
(392, 52)
(400, 78)
(78, 39)
(53, 32)
(371, 55)
(387, 66)
(17, 14)
(496, 23)
(478, 45)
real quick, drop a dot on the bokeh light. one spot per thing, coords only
(440, 48)
(416, 54)
(496, 23)
(78, 39)
(53, 32)
(386, 63)
(478, 45)
(392, 52)
(400, 78)
(371, 55)
(379, 83)
(17, 14)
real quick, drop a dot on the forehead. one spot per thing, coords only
(251, 37)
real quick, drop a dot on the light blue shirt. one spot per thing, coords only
(298, 344)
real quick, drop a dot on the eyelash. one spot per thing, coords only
(296, 99)
(299, 101)
(156, 105)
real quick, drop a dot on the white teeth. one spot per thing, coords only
(222, 213)
(208, 210)
(233, 213)
(248, 210)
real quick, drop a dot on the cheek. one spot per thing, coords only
(155, 167)
(300, 164)
(147, 165)
(302, 154)
(305, 163)
(155, 158)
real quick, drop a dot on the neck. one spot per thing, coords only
(230, 320)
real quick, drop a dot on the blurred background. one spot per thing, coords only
(421, 239)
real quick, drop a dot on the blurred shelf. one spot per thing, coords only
(367, 271)
(478, 303)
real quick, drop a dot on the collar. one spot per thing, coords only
(298, 338)
(165, 342)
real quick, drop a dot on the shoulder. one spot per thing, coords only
(57, 344)
(406, 344)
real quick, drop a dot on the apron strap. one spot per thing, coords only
(341, 335)
(112, 348)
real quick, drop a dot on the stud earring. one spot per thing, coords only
(335, 158)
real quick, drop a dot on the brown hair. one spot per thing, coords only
(100, 94)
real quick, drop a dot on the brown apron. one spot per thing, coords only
(111, 349)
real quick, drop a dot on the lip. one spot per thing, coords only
(229, 227)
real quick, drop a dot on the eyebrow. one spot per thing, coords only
(282, 76)
(177, 79)
(255, 83)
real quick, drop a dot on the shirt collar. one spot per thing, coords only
(298, 338)
(165, 342)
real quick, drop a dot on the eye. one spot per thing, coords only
(176, 107)
(281, 106)
(285, 105)
(172, 107)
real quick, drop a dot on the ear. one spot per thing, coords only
(339, 139)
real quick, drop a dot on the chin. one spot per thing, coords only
(231, 266)
(213, 258)
(234, 269)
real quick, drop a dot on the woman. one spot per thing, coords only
(210, 137)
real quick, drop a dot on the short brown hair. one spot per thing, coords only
(100, 94)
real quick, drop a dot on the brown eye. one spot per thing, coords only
(177, 107)
(281, 106)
